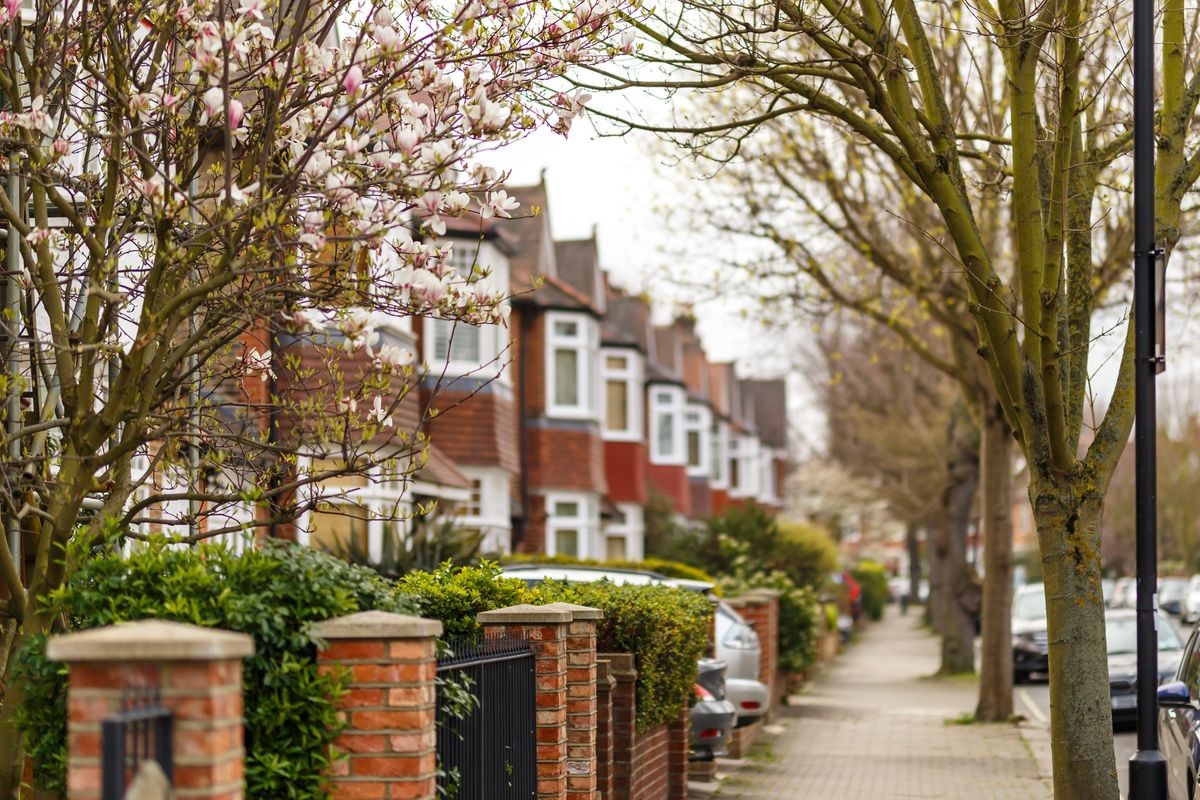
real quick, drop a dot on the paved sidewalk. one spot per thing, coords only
(874, 726)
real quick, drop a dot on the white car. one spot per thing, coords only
(1190, 611)
(737, 642)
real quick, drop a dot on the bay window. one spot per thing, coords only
(571, 350)
(697, 424)
(460, 348)
(488, 508)
(624, 537)
(622, 395)
(667, 442)
(744, 471)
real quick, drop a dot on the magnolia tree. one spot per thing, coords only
(221, 217)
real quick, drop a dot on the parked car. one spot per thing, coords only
(1030, 642)
(1179, 721)
(712, 716)
(1106, 589)
(1120, 630)
(1191, 601)
(751, 699)
(1170, 594)
(1123, 593)
(737, 645)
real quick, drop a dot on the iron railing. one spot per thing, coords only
(141, 731)
(490, 751)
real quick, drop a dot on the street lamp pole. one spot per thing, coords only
(1147, 768)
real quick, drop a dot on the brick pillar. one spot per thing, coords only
(546, 628)
(761, 609)
(389, 747)
(624, 722)
(581, 700)
(604, 722)
(199, 671)
(677, 752)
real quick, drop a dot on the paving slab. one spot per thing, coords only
(875, 724)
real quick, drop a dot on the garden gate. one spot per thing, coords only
(490, 751)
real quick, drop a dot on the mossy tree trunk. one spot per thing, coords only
(996, 667)
(958, 589)
(1068, 523)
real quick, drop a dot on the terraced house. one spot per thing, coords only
(551, 434)
(565, 425)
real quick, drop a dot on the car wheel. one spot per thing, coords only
(1019, 677)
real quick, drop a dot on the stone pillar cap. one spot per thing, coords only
(150, 640)
(763, 592)
(578, 612)
(525, 613)
(377, 625)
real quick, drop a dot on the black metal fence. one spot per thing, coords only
(141, 731)
(487, 750)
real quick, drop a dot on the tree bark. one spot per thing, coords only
(958, 590)
(1067, 513)
(913, 546)
(996, 667)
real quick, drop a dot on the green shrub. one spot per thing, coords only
(273, 593)
(872, 579)
(665, 629)
(455, 595)
(805, 553)
(799, 609)
(664, 567)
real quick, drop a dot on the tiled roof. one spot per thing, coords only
(578, 265)
(440, 470)
(769, 399)
(529, 236)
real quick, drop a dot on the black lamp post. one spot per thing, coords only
(1147, 768)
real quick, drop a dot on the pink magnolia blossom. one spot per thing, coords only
(353, 80)
(234, 113)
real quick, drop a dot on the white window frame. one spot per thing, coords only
(698, 418)
(493, 339)
(584, 343)
(631, 375)
(494, 519)
(632, 527)
(745, 447)
(586, 524)
(719, 477)
(667, 399)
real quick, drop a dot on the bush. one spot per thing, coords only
(455, 595)
(872, 579)
(274, 593)
(806, 554)
(799, 610)
(665, 629)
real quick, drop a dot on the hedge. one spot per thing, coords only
(455, 594)
(666, 630)
(872, 579)
(273, 592)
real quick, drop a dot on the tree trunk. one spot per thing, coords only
(939, 543)
(1068, 523)
(996, 668)
(913, 545)
(958, 590)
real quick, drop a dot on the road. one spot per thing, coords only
(1033, 701)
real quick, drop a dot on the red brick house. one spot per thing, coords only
(556, 328)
